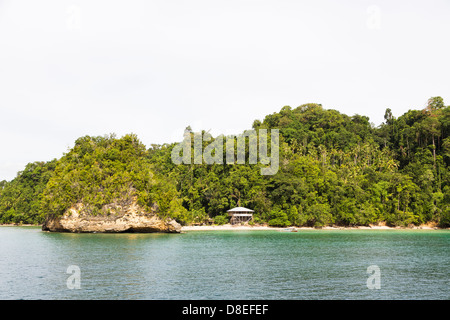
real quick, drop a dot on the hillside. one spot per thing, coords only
(334, 169)
(101, 173)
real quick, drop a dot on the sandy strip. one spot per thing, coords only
(227, 227)
(247, 227)
(262, 227)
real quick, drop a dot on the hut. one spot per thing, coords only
(240, 214)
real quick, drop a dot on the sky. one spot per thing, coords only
(75, 68)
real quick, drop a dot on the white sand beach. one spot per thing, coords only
(227, 227)
(265, 227)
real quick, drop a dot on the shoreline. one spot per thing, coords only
(267, 228)
(19, 225)
(229, 227)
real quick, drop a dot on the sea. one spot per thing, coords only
(219, 265)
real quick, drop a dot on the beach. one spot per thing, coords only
(266, 228)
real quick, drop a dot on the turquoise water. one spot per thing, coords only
(312, 264)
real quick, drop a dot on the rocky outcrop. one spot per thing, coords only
(130, 218)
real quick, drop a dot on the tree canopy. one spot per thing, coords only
(334, 169)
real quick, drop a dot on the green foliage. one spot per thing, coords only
(220, 219)
(20, 198)
(97, 171)
(334, 169)
(278, 218)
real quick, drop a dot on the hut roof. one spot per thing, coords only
(239, 209)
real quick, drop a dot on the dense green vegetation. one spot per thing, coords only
(105, 170)
(20, 198)
(334, 169)
(97, 171)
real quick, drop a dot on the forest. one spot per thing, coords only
(334, 169)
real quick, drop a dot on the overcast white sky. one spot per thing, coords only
(75, 68)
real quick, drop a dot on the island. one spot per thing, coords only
(334, 171)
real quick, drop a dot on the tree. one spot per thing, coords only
(334, 169)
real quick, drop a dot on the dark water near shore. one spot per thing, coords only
(311, 264)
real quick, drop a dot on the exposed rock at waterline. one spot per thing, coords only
(130, 218)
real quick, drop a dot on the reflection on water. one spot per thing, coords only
(313, 264)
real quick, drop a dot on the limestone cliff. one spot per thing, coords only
(128, 218)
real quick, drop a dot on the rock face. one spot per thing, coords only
(131, 218)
